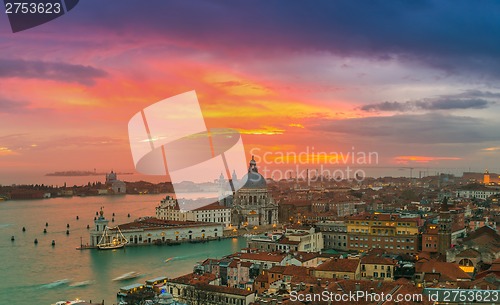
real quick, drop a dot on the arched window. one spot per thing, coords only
(466, 262)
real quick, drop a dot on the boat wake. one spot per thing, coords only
(55, 284)
(127, 276)
(81, 284)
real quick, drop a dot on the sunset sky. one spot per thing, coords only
(418, 82)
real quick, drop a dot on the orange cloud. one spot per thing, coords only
(496, 148)
(4, 151)
(422, 159)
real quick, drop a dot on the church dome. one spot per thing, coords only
(253, 180)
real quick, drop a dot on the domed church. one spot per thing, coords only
(252, 205)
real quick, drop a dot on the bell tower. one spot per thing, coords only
(444, 232)
(100, 225)
(486, 177)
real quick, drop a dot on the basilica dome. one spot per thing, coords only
(253, 179)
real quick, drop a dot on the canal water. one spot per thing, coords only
(43, 274)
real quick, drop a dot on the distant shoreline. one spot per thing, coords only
(79, 174)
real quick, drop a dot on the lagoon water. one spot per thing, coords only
(42, 274)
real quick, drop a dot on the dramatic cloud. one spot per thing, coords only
(434, 33)
(411, 129)
(287, 73)
(440, 104)
(64, 72)
(467, 100)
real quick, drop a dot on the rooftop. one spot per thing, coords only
(339, 265)
(160, 224)
(381, 217)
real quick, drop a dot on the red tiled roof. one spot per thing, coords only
(213, 206)
(192, 278)
(277, 269)
(263, 256)
(305, 256)
(296, 270)
(286, 241)
(447, 271)
(339, 265)
(233, 264)
(210, 261)
(469, 253)
(296, 202)
(378, 260)
(160, 224)
(246, 264)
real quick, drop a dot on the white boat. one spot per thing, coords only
(112, 241)
(127, 276)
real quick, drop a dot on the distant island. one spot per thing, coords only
(80, 173)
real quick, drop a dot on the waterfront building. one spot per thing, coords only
(252, 204)
(149, 230)
(169, 210)
(334, 234)
(389, 232)
(114, 185)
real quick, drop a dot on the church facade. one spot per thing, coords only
(251, 204)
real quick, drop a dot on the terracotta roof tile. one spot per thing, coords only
(339, 265)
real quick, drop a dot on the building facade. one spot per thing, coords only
(252, 205)
(382, 231)
(377, 267)
(169, 210)
(149, 230)
(334, 234)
